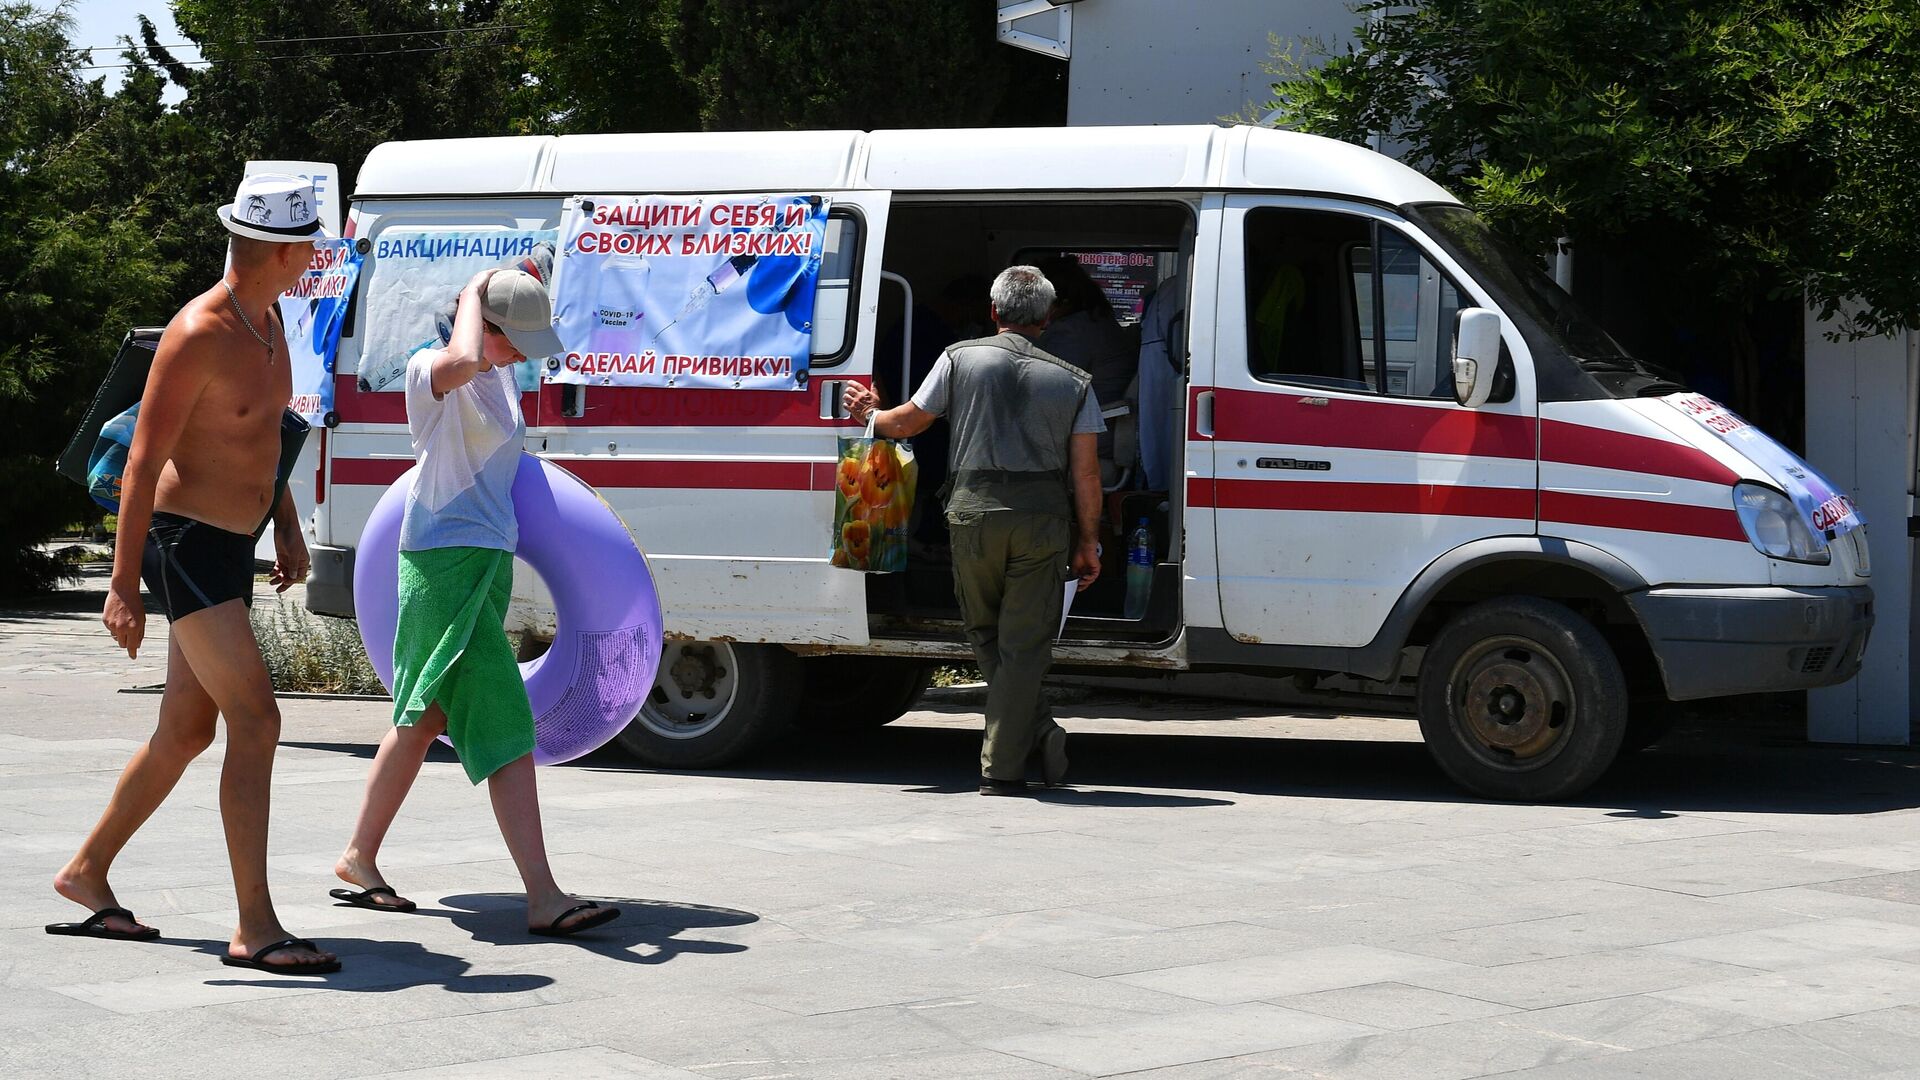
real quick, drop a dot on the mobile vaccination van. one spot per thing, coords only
(1381, 451)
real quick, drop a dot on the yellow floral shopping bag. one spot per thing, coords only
(872, 502)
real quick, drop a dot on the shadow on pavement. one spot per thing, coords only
(501, 919)
(432, 968)
(1700, 770)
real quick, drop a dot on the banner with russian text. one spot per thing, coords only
(709, 291)
(312, 313)
(1822, 505)
(415, 276)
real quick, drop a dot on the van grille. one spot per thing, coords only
(1817, 659)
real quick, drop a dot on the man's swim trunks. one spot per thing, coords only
(190, 565)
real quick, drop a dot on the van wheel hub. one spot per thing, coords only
(696, 687)
(1515, 700)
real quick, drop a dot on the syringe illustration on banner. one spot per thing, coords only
(711, 286)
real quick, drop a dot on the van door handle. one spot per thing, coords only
(1203, 413)
(831, 407)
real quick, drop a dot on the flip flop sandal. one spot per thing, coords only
(600, 917)
(366, 898)
(95, 925)
(310, 967)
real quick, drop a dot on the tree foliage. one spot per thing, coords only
(107, 198)
(78, 264)
(1773, 142)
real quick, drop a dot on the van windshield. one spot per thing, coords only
(1526, 292)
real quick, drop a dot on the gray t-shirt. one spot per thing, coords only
(935, 396)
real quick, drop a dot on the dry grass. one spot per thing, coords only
(949, 675)
(307, 653)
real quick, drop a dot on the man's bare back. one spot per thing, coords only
(223, 466)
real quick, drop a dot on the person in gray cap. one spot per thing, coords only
(453, 669)
(200, 477)
(1023, 505)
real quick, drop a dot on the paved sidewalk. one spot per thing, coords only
(1223, 894)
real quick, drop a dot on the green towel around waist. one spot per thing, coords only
(450, 647)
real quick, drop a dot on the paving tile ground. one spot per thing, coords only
(1225, 892)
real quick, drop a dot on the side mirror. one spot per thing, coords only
(1476, 356)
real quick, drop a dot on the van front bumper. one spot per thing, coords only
(1719, 642)
(330, 583)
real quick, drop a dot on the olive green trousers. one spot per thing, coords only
(1009, 574)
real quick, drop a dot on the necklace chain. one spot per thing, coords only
(248, 323)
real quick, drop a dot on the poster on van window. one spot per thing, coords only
(1824, 507)
(312, 313)
(415, 276)
(713, 291)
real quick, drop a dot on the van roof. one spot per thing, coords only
(968, 159)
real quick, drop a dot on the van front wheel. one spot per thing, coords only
(1520, 698)
(713, 702)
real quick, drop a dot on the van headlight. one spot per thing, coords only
(1774, 526)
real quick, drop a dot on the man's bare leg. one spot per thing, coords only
(218, 643)
(395, 765)
(516, 806)
(184, 731)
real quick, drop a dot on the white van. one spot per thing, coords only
(1399, 453)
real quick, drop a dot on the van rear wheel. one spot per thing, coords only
(713, 702)
(1520, 698)
(848, 694)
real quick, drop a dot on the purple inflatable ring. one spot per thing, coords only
(591, 683)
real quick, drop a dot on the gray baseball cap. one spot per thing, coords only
(517, 303)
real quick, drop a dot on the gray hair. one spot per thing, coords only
(1022, 295)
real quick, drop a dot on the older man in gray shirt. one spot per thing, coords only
(1024, 505)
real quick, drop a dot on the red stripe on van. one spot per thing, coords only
(613, 473)
(624, 406)
(1641, 515)
(1283, 417)
(1636, 515)
(1423, 499)
(1577, 444)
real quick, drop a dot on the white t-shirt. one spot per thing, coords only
(468, 443)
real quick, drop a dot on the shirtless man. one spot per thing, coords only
(198, 482)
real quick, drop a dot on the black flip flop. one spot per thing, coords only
(95, 925)
(311, 967)
(600, 917)
(365, 898)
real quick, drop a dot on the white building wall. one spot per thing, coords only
(1185, 61)
(1861, 400)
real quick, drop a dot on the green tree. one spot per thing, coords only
(327, 83)
(857, 64)
(78, 264)
(1771, 145)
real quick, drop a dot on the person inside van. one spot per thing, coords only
(453, 670)
(1084, 332)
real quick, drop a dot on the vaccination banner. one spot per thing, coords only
(1826, 509)
(313, 312)
(690, 291)
(416, 275)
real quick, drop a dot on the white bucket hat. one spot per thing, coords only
(277, 208)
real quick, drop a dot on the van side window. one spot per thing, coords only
(833, 298)
(1330, 295)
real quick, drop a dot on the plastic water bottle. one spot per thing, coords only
(1139, 571)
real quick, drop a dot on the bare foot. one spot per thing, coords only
(357, 871)
(244, 945)
(93, 893)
